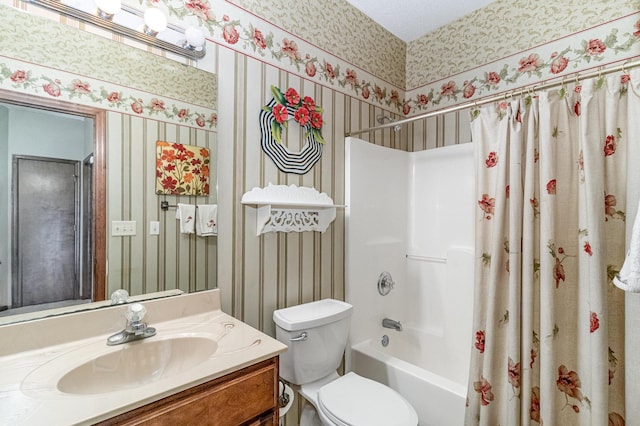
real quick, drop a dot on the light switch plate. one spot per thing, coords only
(154, 227)
(123, 228)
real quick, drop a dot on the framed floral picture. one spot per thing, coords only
(181, 169)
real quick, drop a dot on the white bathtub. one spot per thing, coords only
(415, 365)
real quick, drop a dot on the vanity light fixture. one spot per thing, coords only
(108, 8)
(149, 27)
(154, 21)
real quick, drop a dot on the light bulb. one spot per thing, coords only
(194, 38)
(154, 21)
(108, 8)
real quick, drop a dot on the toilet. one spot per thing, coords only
(316, 334)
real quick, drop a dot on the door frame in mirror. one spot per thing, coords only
(99, 174)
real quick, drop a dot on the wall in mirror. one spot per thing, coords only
(142, 98)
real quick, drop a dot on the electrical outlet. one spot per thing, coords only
(121, 228)
(154, 228)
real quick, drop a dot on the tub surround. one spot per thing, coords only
(36, 354)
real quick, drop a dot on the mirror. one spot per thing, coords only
(110, 156)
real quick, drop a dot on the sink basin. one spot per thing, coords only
(137, 363)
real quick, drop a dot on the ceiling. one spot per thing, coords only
(411, 19)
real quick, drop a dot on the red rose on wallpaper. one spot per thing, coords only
(328, 71)
(448, 89)
(493, 78)
(80, 86)
(200, 121)
(113, 97)
(310, 69)
(609, 145)
(258, 39)
(200, 8)
(290, 48)
(19, 76)
(594, 322)
(137, 107)
(351, 77)
(157, 105)
(423, 99)
(492, 159)
(480, 338)
(365, 92)
(530, 63)
(182, 113)
(625, 78)
(559, 64)
(406, 108)
(468, 91)
(595, 47)
(230, 34)
(52, 89)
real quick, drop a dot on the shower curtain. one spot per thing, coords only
(555, 174)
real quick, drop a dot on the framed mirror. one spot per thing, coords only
(118, 110)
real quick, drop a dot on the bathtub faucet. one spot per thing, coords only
(389, 323)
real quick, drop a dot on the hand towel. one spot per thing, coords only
(207, 220)
(628, 278)
(186, 214)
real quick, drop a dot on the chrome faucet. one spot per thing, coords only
(389, 323)
(136, 329)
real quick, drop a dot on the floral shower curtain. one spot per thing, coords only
(552, 187)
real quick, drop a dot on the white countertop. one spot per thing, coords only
(35, 355)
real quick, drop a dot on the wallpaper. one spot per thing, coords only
(340, 29)
(64, 48)
(501, 29)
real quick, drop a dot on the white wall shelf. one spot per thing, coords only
(282, 208)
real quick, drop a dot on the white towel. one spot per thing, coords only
(186, 214)
(628, 278)
(207, 220)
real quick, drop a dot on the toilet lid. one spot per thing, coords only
(353, 400)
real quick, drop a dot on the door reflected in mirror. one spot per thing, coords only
(49, 241)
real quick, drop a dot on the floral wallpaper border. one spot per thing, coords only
(592, 48)
(24, 77)
(239, 30)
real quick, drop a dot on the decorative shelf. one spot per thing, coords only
(292, 208)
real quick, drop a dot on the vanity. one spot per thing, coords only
(201, 367)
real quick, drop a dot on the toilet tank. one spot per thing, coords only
(326, 324)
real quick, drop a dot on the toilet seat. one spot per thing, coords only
(352, 400)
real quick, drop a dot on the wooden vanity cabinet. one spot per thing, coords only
(246, 397)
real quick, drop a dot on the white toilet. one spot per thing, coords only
(316, 334)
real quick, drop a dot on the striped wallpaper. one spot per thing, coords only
(148, 263)
(261, 273)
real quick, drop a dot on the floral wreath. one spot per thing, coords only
(276, 115)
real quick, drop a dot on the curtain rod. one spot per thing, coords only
(495, 98)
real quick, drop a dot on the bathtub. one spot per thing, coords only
(417, 366)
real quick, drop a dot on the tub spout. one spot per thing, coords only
(389, 323)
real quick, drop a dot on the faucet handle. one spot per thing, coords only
(136, 312)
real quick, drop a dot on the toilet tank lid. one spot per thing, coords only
(312, 314)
